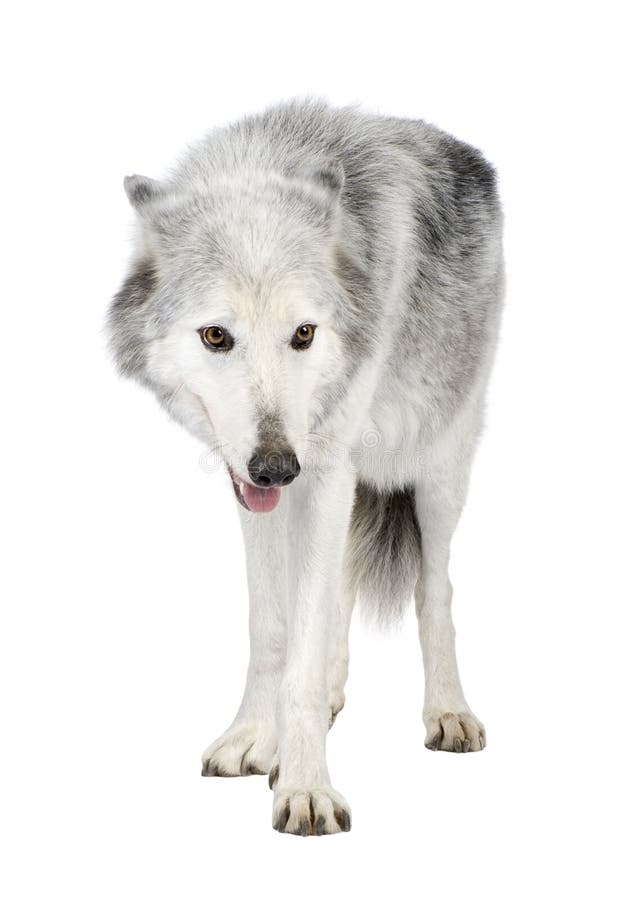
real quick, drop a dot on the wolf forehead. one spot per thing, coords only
(253, 234)
(242, 209)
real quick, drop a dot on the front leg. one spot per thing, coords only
(304, 800)
(338, 662)
(248, 746)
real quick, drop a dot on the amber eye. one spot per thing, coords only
(304, 336)
(216, 338)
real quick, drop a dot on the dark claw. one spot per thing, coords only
(214, 771)
(243, 764)
(458, 745)
(273, 776)
(333, 714)
(482, 741)
(466, 745)
(319, 825)
(248, 768)
(283, 819)
(304, 828)
(343, 819)
(435, 743)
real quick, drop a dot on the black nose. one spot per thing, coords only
(273, 468)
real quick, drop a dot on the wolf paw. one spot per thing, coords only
(455, 732)
(244, 749)
(306, 812)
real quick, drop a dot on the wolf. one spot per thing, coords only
(315, 293)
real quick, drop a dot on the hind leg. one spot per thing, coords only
(449, 722)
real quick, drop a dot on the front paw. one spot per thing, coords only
(246, 748)
(459, 732)
(310, 811)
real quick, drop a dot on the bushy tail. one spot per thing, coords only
(384, 551)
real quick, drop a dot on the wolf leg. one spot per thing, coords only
(249, 744)
(449, 722)
(338, 660)
(304, 800)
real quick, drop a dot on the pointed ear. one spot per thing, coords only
(141, 190)
(329, 174)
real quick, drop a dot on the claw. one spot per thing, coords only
(282, 819)
(343, 819)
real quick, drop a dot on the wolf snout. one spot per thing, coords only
(273, 468)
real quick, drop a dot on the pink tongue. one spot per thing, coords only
(261, 499)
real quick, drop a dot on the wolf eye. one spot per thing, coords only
(304, 336)
(216, 338)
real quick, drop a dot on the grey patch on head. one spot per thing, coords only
(127, 320)
(271, 432)
(273, 450)
(330, 175)
(140, 190)
(384, 550)
(359, 316)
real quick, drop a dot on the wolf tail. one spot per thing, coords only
(384, 551)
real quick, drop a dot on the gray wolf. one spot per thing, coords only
(316, 294)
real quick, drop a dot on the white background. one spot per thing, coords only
(124, 611)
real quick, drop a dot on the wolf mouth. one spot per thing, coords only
(253, 498)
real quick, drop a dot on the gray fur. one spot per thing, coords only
(127, 320)
(384, 555)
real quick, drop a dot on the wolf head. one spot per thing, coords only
(236, 313)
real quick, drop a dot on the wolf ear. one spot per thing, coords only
(140, 190)
(329, 175)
